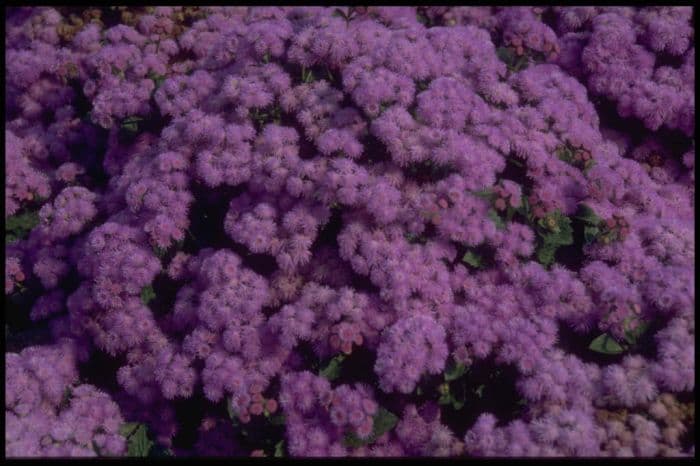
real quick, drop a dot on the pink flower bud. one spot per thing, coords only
(256, 409)
(346, 347)
(357, 339)
(271, 405)
(255, 388)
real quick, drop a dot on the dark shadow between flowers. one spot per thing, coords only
(485, 252)
(302, 75)
(263, 432)
(329, 232)
(328, 236)
(165, 290)
(634, 128)
(101, 370)
(374, 151)
(20, 330)
(189, 413)
(487, 387)
(572, 342)
(572, 256)
(206, 230)
(427, 172)
(688, 438)
(549, 17)
(359, 366)
(516, 171)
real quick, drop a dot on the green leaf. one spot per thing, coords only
(26, 220)
(564, 154)
(422, 84)
(516, 162)
(514, 63)
(128, 428)
(159, 451)
(131, 124)
(564, 237)
(455, 371)
(480, 390)
(156, 78)
(384, 421)
(65, 401)
(505, 55)
(590, 164)
(159, 252)
(279, 449)
(307, 76)
(588, 215)
(472, 259)
(130, 127)
(18, 226)
(445, 399)
(139, 444)
(606, 344)
(333, 369)
(147, 294)
(132, 119)
(546, 252)
(633, 335)
(117, 72)
(590, 234)
(229, 409)
(484, 194)
(524, 209)
(329, 74)
(277, 420)
(520, 64)
(495, 218)
(457, 404)
(562, 234)
(353, 441)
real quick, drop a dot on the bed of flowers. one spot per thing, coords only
(351, 231)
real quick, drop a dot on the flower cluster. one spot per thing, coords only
(48, 414)
(409, 348)
(324, 225)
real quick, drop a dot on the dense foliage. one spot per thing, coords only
(367, 231)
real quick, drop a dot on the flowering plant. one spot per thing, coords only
(349, 231)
